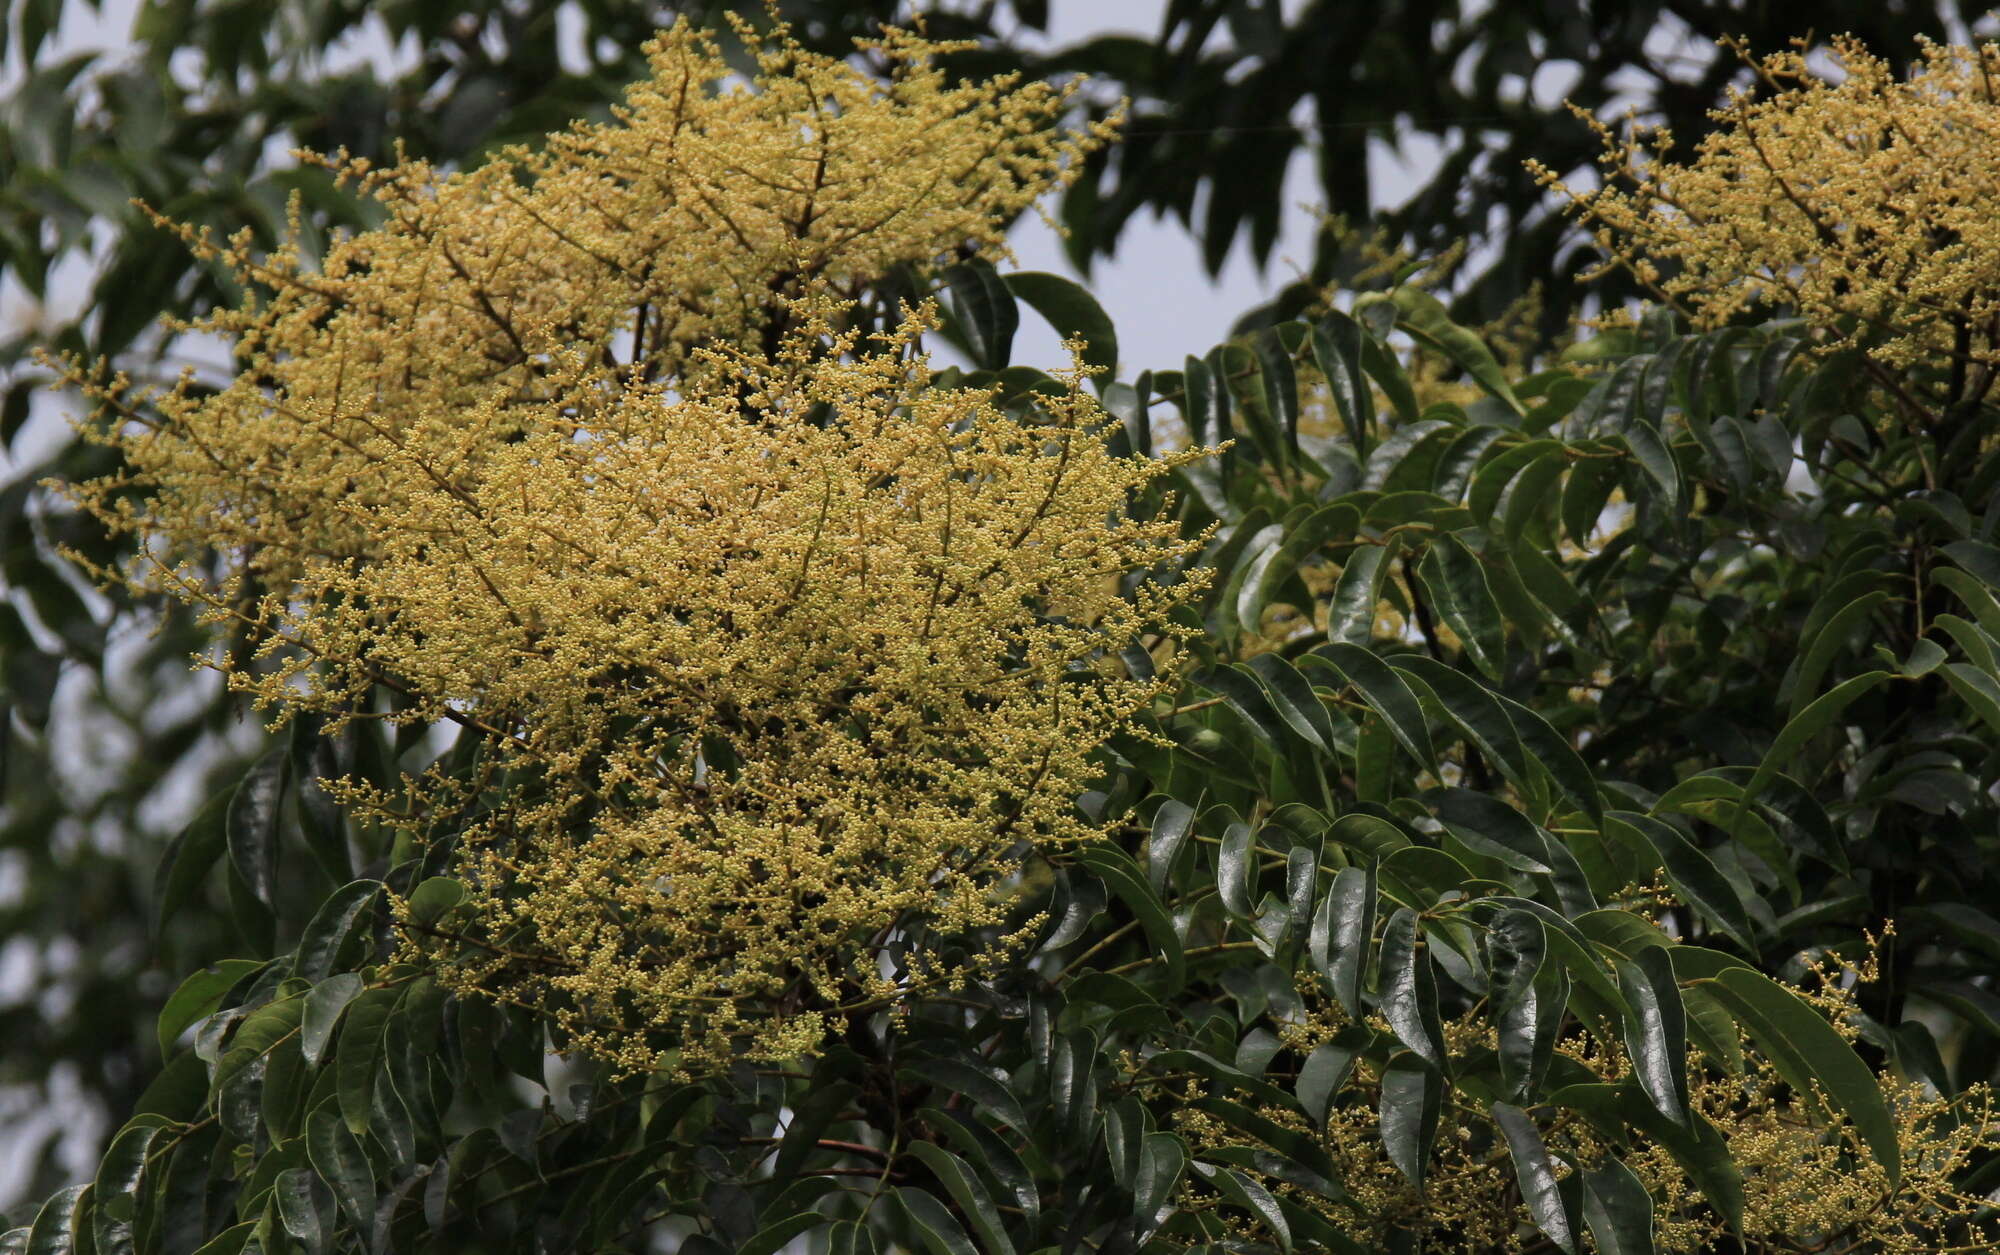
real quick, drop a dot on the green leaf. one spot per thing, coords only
(1241, 692)
(849, 1237)
(1412, 1097)
(1342, 929)
(52, 1231)
(996, 1157)
(429, 901)
(810, 1117)
(1459, 593)
(1173, 823)
(1122, 877)
(321, 943)
(1658, 463)
(772, 1238)
(116, 1193)
(1408, 998)
(1691, 872)
(1350, 613)
(1236, 868)
(1805, 725)
(1475, 711)
(1492, 828)
(1162, 1159)
(933, 1222)
(1336, 345)
(1325, 1070)
(1281, 385)
(1293, 698)
(187, 860)
(1073, 312)
(1830, 639)
(981, 1086)
(1536, 1176)
(1384, 690)
(299, 1211)
(199, 995)
(1516, 946)
(1617, 1209)
(322, 1011)
(1553, 753)
(1976, 689)
(358, 1057)
(1972, 594)
(1656, 1031)
(985, 312)
(1618, 1110)
(1424, 317)
(1302, 541)
(1808, 1052)
(969, 1192)
(1248, 1195)
(1527, 1024)
(253, 822)
(1982, 560)
(337, 1156)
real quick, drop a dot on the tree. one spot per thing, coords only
(745, 785)
(106, 746)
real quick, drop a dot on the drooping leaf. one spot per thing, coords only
(985, 311)
(1350, 612)
(1656, 1032)
(1072, 311)
(1617, 1209)
(1536, 1176)
(1411, 1100)
(1342, 930)
(1173, 823)
(1409, 991)
(969, 1192)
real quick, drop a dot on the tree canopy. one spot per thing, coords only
(1386, 783)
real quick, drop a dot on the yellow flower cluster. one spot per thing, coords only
(1859, 201)
(781, 658)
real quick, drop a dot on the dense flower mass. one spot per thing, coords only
(778, 655)
(1860, 201)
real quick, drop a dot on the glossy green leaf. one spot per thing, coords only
(323, 1007)
(933, 1222)
(358, 1055)
(1818, 715)
(1173, 824)
(197, 996)
(1456, 584)
(993, 1155)
(1424, 317)
(773, 1238)
(1125, 881)
(1336, 344)
(1808, 1052)
(1350, 613)
(1656, 1031)
(1292, 696)
(117, 1193)
(1236, 869)
(331, 926)
(188, 858)
(253, 822)
(1536, 1177)
(338, 1158)
(1241, 692)
(848, 1237)
(1322, 1074)
(985, 312)
(1408, 998)
(1342, 929)
(969, 1192)
(1386, 692)
(1620, 1110)
(976, 1083)
(1617, 1209)
(1821, 648)
(1412, 1097)
(1072, 311)
(1162, 1160)
(1976, 689)
(299, 1211)
(1249, 1195)
(1690, 871)
(1653, 457)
